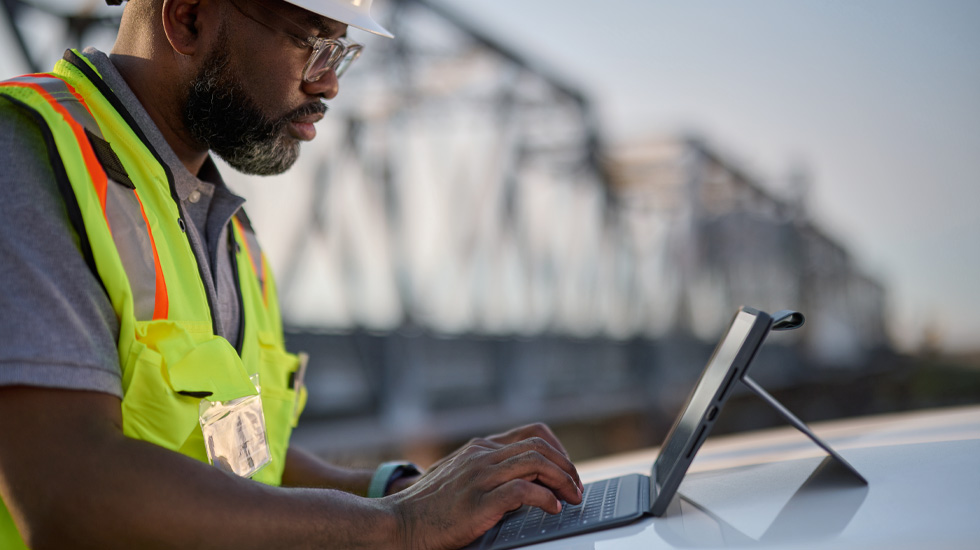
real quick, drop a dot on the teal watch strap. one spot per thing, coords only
(388, 472)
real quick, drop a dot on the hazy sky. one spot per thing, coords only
(878, 99)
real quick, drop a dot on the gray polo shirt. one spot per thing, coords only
(57, 326)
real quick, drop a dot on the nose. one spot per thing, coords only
(326, 86)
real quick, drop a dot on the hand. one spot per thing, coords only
(469, 491)
(493, 442)
(403, 483)
(517, 434)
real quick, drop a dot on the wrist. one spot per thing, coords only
(403, 483)
(386, 527)
(391, 477)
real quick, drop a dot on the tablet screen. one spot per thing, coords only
(677, 448)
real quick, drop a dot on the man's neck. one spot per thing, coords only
(161, 101)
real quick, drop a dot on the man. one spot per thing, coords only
(137, 314)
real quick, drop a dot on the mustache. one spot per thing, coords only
(304, 110)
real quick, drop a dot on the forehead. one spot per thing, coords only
(322, 26)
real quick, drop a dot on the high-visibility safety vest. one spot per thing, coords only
(122, 202)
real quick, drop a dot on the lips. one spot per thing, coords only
(302, 127)
(309, 119)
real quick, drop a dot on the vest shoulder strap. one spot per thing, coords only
(105, 176)
(61, 180)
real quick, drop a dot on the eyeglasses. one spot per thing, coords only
(335, 54)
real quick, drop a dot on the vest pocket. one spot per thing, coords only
(171, 367)
(279, 404)
(152, 411)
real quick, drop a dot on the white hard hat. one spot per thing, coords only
(356, 13)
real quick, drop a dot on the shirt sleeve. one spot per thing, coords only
(57, 326)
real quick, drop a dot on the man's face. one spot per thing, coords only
(222, 112)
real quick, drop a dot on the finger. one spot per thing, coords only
(545, 449)
(518, 492)
(544, 432)
(527, 432)
(532, 466)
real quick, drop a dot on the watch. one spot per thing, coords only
(387, 473)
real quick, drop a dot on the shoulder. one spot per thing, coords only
(57, 328)
(18, 130)
(28, 182)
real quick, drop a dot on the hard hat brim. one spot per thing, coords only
(349, 16)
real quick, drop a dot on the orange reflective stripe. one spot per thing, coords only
(99, 180)
(262, 279)
(57, 88)
(161, 302)
(255, 256)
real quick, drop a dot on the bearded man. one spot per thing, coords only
(146, 396)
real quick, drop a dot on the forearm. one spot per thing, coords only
(90, 486)
(72, 480)
(304, 469)
(183, 503)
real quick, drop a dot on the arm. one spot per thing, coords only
(304, 469)
(307, 470)
(72, 479)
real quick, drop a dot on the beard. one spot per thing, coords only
(220, 113)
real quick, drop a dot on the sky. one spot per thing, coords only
(878, 100)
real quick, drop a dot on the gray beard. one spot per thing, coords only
(220, 114)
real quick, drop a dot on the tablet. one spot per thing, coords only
(617, 501)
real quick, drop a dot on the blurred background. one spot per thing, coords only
(550, 209)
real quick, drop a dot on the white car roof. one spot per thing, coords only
(766, 487)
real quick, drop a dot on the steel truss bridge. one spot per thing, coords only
(460, 250)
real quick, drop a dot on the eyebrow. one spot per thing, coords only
(321, 25)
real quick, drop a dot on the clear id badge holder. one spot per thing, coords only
(234, 433)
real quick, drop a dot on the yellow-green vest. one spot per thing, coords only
(122, 201)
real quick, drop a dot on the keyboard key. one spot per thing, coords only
(598, 503)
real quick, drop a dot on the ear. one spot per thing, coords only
(184, 22)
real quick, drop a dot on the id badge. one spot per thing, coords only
(234, 433)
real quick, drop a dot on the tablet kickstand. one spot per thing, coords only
(799, 425)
